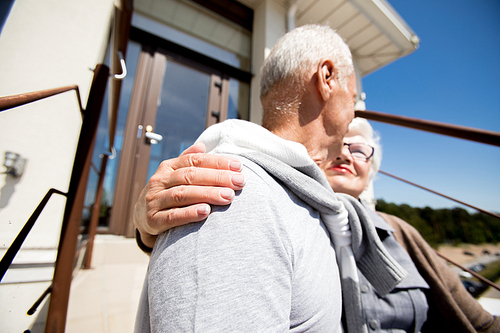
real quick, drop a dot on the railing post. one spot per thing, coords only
(58, 305)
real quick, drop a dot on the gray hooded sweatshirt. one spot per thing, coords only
(266, 262)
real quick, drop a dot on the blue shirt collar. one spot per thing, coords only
(377, 220)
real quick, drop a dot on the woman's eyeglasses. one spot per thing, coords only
(360, 151)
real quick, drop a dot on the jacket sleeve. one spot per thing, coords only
(451, 307)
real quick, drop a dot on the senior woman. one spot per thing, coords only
(430, 299)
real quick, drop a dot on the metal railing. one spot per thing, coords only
(14, 248)
(9, 102)
(461, 132)
(59, 290)
(440, 194)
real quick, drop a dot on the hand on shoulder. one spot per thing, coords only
(182, 190)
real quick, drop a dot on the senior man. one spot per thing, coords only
(266, 263)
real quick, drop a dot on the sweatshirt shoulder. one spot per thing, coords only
(268, 199)
(255, 175)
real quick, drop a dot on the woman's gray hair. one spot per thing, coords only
(295, 54)
(361, 126)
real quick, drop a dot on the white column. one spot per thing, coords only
(269, 25)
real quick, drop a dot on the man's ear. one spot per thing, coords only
(326, 78)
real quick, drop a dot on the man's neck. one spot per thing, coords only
(309, 136)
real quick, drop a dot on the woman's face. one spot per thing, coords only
(346, 174)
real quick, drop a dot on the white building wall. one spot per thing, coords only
(43, 44)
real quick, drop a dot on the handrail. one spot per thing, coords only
(461, 132)
(40, 299)
(58, 303)
(61, 282)
(19, 240)
(480, 277)
(47, 291)
(440, 194)
(12, 101)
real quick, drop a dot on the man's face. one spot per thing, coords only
(339, 115)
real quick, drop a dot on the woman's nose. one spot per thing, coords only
(345, 154)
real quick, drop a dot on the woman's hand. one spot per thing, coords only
(181, 190)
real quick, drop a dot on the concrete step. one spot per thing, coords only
(31, 265)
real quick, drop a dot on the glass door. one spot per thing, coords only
(171, 104)
(180, 115)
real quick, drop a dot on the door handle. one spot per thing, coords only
(154, 138)
(216, 114)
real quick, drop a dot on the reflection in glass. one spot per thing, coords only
(238, 100)
(181, 114)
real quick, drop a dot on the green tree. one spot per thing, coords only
(452, 226)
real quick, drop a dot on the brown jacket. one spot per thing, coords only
(451, 307)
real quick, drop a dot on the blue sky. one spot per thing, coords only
(454, 77)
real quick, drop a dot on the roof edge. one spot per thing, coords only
(381, 14)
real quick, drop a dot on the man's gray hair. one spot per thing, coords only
(299, 50)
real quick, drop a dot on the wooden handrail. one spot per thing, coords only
(9, 102)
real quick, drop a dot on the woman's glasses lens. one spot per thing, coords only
(360, 151)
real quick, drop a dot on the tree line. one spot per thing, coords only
(450, 226)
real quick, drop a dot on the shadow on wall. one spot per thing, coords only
(8, 190)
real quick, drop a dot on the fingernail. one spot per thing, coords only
(238, 180)
(227, 193)
(202, 210)
(235, 165)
